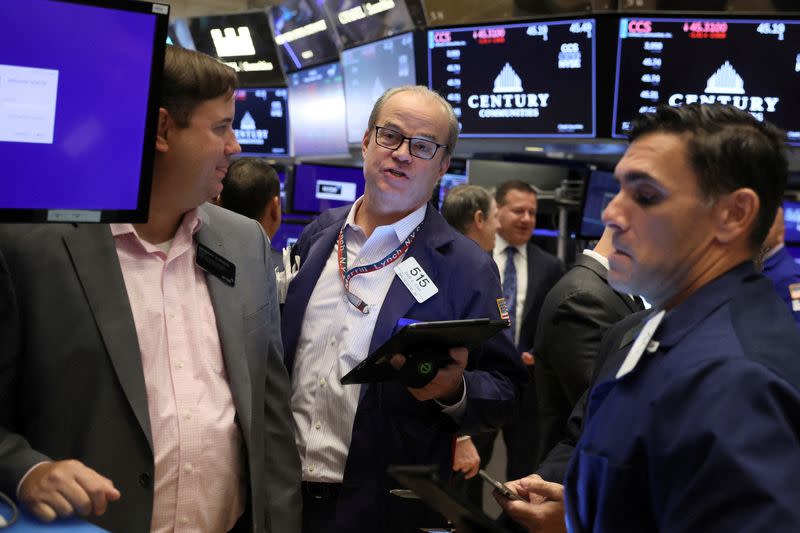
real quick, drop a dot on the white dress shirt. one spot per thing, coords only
(334, 338)
(521, 264)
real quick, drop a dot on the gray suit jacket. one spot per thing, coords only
(576, 313)
(71, 378)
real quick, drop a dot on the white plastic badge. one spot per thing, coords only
(641, 344)
(417, 281)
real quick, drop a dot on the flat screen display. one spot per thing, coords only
(751, 64)
(791, 221)
(288, 233)
(261, 121)
(360, 22)
(321, 187)
(517, 80)
(600, 189)
(316, 111)
(303, 34)
(77, 120)
(447, 182)
(370, 70)
(244, 42)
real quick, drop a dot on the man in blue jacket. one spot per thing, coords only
(694, 421)
(699, 429)
(363, 270)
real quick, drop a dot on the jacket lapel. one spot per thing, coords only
(301, 287)
(230, 326)
(94, 256)
(623, 303)
(399, 300)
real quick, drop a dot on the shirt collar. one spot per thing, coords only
(772, 251)
(402, 228)
(190, 224)
(681, 320)
(603, 260)
(500, 245)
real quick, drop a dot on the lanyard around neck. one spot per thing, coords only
(347, 275)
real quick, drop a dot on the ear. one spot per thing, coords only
(444, 165)
(365, 143)
(274, 209)
(164, 123)
(737, 212)
(478, 219)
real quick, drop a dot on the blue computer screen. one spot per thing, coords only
(321, 187)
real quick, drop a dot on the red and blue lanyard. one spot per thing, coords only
(347, 275)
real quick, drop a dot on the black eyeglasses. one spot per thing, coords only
(417, 146)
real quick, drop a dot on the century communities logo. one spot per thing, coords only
(726, 86)
(508, 98)
(248, 133)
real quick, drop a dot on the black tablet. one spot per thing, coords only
(425, 482)
(425, 345)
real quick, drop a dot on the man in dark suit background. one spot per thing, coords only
(575, 314)
(136, 388)
(252, 188)
(526, 279)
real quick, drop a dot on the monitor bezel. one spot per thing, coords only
(140, 213)
(596, 19)
(306, 212)
(667, 16)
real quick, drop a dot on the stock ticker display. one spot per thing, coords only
(517, 80)
(260, 121)
(751, 64)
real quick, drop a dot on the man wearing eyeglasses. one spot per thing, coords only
(353, 290)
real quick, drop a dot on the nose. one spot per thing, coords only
(612, 215)
(403, 152)
(232, 146)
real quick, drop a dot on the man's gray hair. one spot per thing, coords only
(461, 204)
(452, 121)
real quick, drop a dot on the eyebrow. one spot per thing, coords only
(423, 135)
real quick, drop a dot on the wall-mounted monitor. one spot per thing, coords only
(180, 35)
(321, 187)
(751, 64)
(490, 174)
(78, 120)
(517, 80)
(303, 34)
(317, 111)
(451, 12)
(598, 191)
(244, 42)
(791, 221)
(455, 175)
(370, 70)
(288, 232)
(261, 121)
(361, 22)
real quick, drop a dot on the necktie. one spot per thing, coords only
(510, 289)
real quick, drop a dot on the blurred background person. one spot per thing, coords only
(780, 266)
(527, 273)
(575, 314)
(472, 211)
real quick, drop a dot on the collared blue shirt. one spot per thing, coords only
(703, 435)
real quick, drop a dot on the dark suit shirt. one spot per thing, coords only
(575, 314)
(702, 434)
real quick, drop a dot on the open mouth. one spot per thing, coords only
(395, 172)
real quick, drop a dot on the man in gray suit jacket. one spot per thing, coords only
(135, 388)
(575, 314)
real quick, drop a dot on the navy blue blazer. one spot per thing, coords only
(702, 435)
(391, 426)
